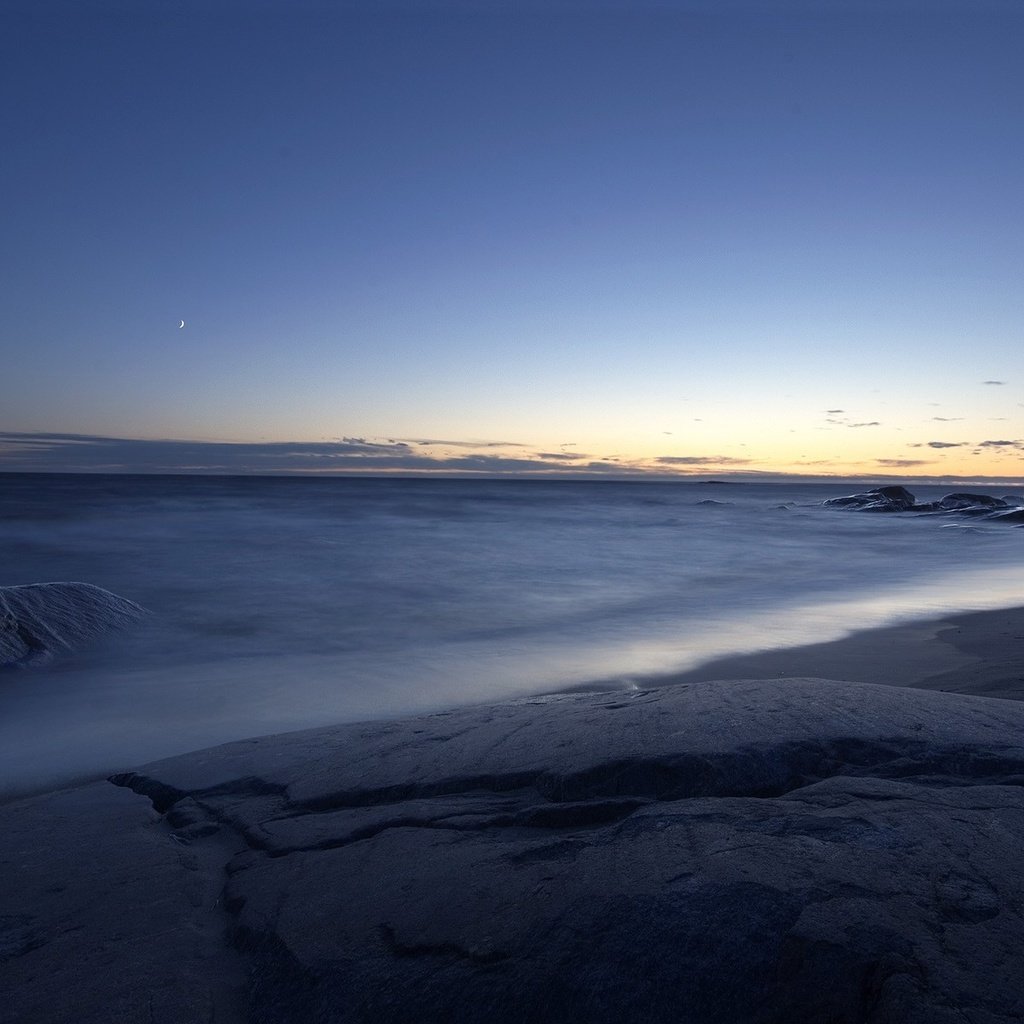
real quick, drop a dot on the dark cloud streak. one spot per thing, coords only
(1001, 444)
(701, 460)
(86, 453)
(460, 444)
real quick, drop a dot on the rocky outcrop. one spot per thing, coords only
(1014, 515)
(880, 499)
(38, 620)
(960, 501)
(899, 499)
(759, 851)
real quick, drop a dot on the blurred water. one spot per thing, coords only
(278, 604)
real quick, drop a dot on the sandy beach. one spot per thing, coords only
(805, 844)
(978, 653)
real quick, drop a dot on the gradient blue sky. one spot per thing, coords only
(674, 237)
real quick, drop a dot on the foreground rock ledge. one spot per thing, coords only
(757, 851)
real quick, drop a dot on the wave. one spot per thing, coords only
(41, 619)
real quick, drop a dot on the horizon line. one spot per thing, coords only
(634, 476)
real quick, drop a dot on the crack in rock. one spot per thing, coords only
(838, 864)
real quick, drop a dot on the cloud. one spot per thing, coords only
(944, 444)
(87, 453)
(845, 422)
(458, 444)
(94, 453)
(996, 383)
(357, 455)
(498, 464)
(701, 460)
(371, 447)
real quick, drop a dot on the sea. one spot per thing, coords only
(275, 604)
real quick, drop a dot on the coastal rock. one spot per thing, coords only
(879, 499)
(757, 851)
(899, 499)
(41, 619)
(954, 502)
(1013, 515)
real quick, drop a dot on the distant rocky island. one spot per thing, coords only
(898, 499)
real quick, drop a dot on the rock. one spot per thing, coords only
(105, 920)
(899, 499)
(973, 505)
(957, 501)
(757, 851)
(880, 499)
(1014, 515)
(41, 619)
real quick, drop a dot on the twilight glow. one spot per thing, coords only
(680, 238)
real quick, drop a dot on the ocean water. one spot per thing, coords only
(277, 604)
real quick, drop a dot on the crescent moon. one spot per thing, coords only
(182, 324)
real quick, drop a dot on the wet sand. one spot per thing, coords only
(977, 653)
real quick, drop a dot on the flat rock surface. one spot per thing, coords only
(754, 851)
(104, 919)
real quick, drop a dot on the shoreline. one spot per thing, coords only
(404, 868)
(979, 653)
(846, 850)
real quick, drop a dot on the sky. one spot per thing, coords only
(689, 238)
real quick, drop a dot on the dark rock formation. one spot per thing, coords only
(39, 620)
(880, 499)
(766, 851)
(899, 499)
(1014, 515)
(956, 502)
(104, 919)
